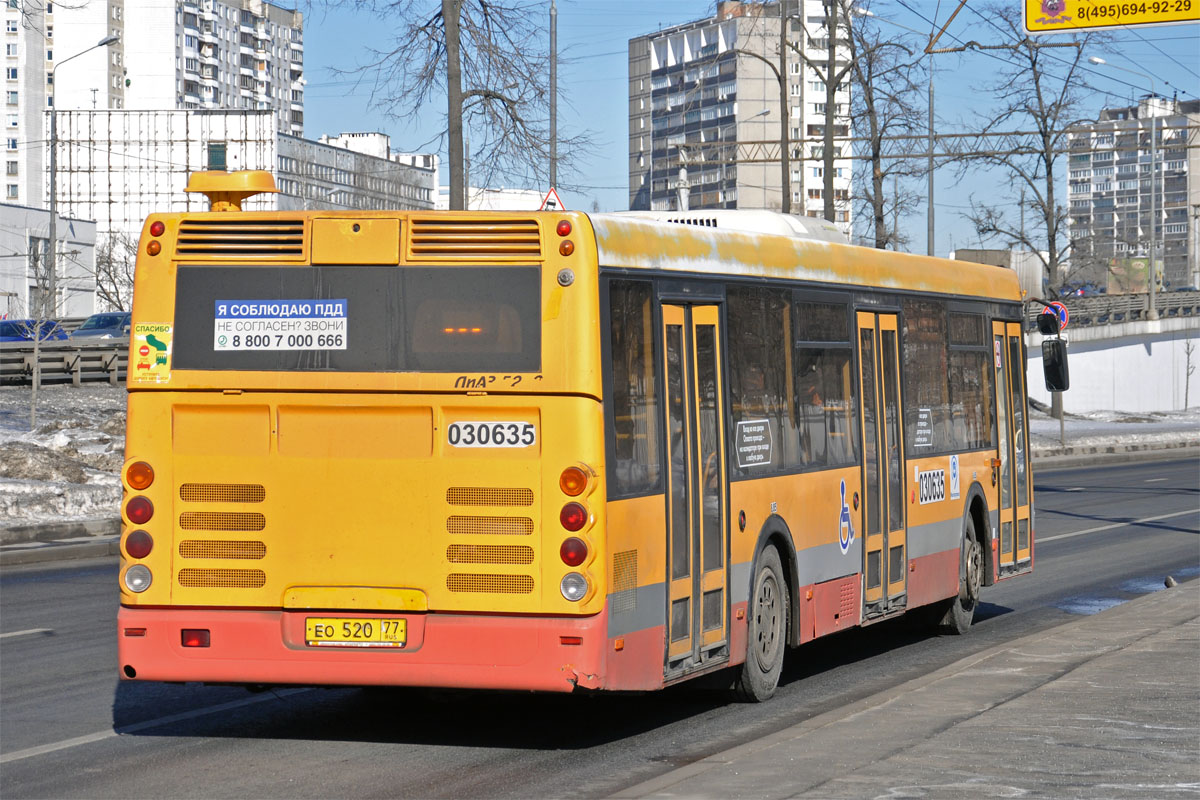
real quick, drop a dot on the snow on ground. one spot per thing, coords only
(67, 468)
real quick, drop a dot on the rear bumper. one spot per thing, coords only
(454, 651)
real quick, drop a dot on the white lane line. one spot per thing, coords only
(1154, 480)
(100, 736)
(1116, 525)
(1076, 489)
(29, 632)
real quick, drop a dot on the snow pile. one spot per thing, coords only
(1107, 428)
(67, 469)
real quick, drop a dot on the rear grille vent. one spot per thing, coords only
(257, 238)
(222, 493)
(625, 569)
(222, 578)
(478, 496)
(491, 526)
(209, 548)
(221, 521)
(491, 584)
(489, 554)
(472, 238)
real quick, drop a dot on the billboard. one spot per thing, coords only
(1128, 275)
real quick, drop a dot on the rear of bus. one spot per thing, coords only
(364, 449)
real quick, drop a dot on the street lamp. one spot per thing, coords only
(51, 257)
(1152, 272)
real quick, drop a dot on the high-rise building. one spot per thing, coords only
(1127, 194)
(693, 98)
(186, 54)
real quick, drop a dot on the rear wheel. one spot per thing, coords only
(766, 637)
(961, 612)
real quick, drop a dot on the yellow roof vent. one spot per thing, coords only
(227, 190)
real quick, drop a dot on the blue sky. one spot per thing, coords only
(593, 38)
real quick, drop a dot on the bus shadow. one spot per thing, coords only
(504, 720)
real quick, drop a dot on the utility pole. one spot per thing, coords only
(832, 79)
(554, 94)
(785, 146)
(929, 241)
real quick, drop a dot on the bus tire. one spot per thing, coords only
(961, 612)
(766, 635)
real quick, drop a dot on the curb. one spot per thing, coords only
(1114, 454)
(63, 550)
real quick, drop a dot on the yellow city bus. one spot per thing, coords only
(551, 450)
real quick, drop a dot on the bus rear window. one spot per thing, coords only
(358, 319)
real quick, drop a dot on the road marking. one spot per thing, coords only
(100, 736)
(1075, 489)
(1116, 525)
(29, 632)
(1154, 480)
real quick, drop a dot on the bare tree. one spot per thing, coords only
(1042, 90)
(885, 89)
(116, 255)
(492, 61)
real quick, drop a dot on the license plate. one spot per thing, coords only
(356, 632)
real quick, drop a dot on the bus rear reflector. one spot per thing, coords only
(139, 510)
(138, 544)
(566, 247)
(570, 640)
(195, 637)
(154, 248)
(573, 516)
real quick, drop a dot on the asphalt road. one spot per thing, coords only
(69, 729)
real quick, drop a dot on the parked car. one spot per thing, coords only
(21, 330)
(109, 325)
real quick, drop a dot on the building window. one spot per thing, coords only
(12, 98)
(11, 168)
(11, 73)
(12, 120)
(216, 155)
(12, 143)
(11, 26)
(12, 191)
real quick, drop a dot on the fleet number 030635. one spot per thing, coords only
(491, 434)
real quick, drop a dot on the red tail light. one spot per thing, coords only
(195, 637)
(573, 516)
(138, 544)
(573, 552)
(564, 227)
(157, 228)
(139, 510)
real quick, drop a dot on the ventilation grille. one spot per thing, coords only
(222, 493)
(489, 554)
(491, 526)
(221, 521)
(222, 578)
(213, 548)
(490, 584)
(259, 238)
(477, 496)
(472, 238)
(625, 569)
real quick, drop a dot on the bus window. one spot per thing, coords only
(636, 462)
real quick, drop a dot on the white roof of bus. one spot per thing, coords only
(639, 240)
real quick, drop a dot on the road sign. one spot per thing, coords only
(1069, 16)
(1059, 310)
(551, 202)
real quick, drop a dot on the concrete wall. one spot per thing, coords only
(1133, 366)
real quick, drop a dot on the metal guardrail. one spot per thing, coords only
(61, 361)
(1112, 308)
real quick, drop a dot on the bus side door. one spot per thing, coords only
(697, 529)
(1015, 480)
(884, 534)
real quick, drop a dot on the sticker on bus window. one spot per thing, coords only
(753, 443)
(491, 434)
(151, 352)
(247, 325)
(923, 437)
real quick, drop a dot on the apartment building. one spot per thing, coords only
(185, 54)
(695, 103)
(1133, 187)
